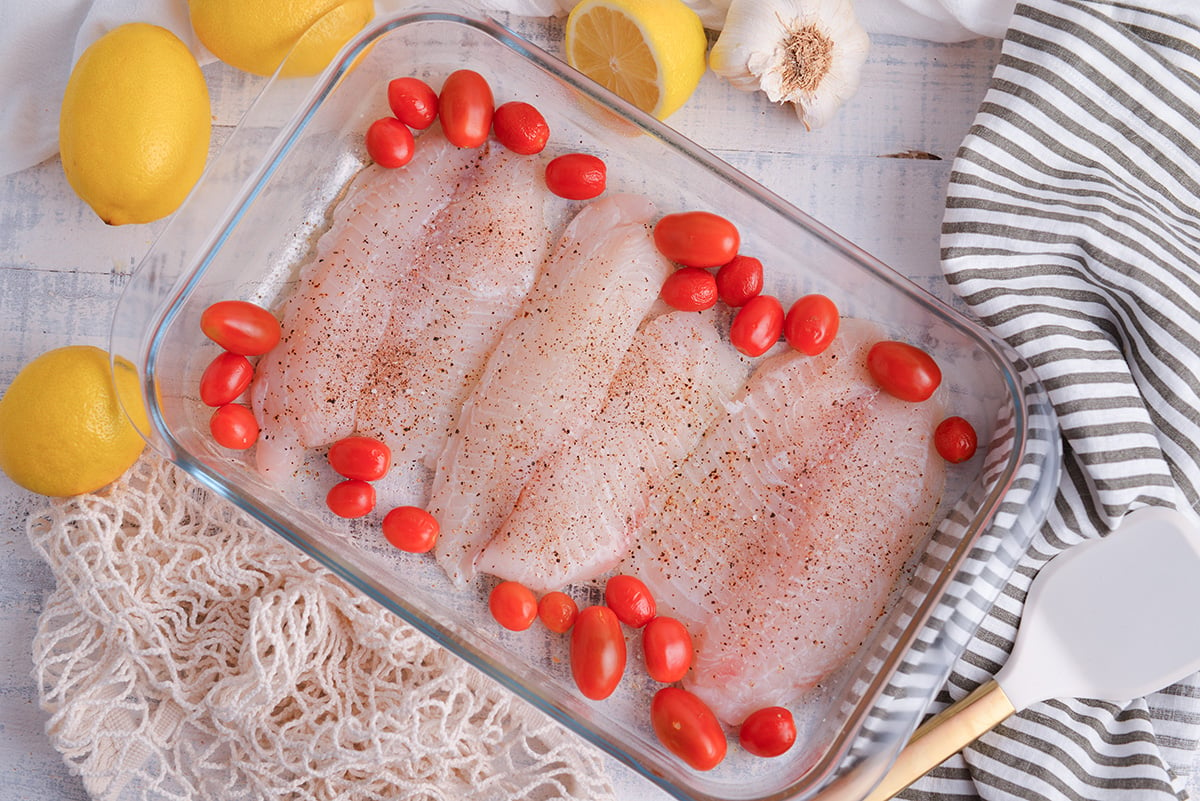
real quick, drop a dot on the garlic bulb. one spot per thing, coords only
(805, 52)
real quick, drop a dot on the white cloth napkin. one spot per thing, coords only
(1071, 229)
(40, 41)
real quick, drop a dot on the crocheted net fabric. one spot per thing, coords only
(188, 653)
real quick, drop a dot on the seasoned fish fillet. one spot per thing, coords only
(782, 536)
(471, 274)
(577, 515)
(549, 374)
(400, 247)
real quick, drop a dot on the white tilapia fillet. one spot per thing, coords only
(782, 537)
(549, 373)
(473, 270)
(386, 232)
(577, 515)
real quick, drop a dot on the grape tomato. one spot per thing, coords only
(903, 371)
(513, 605)
(411, 529)
(557, 611)
(598, 652)
(768, 732)
(465, 106)
(577, 176)
(668, 649)
(365, 458)
(521, 128)
(390, 143)
(696, 239)
(240, 327)
(351, 498)
(739, 280)
(955, 439)
(413, 102)
(811, 324)
(690, 289)
(233, 426)
(688, 728)
(757, 325)
(226, 377)
(630, 600)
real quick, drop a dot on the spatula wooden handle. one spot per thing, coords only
(943, 735)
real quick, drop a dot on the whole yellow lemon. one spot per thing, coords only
(135, 124)
(63, 430)
(257, 36)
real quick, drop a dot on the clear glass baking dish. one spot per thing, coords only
(254, 216)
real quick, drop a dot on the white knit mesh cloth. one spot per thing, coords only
(187, 653)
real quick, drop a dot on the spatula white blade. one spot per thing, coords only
(1111, 619)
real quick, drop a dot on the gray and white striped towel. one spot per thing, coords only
(1072, 229)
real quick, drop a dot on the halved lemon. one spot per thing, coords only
(650, 52)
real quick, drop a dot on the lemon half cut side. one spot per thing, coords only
(649, 52)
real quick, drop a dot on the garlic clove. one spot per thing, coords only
(806, 52)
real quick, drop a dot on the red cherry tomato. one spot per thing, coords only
(739, 279)
(413, 102)
(688, 728)
(955, 439)
(411, 529)
(233, 426)
(240, 327)
(513, 605)
(768, 732)
(351, 498)
(558, 611)
(757, 325)
(630, 600)
(360, 457)
(226, 377)
(466, 107)
(668, 649)
(597, 652)
(390, 143)
(904, 371)
(521, 128)
(577, 176)
(697, 239)
(690, 289)
(811, 324)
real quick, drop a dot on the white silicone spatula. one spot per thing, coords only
(1110, 619)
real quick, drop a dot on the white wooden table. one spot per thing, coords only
(62, 271)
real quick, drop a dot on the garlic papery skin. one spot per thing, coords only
(806, 52)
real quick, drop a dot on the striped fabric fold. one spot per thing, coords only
(1072, 229)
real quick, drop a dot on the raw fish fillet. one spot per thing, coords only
(549, 374)
(476, 266)
(387, 236)
(577, 515)
(780, 540)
